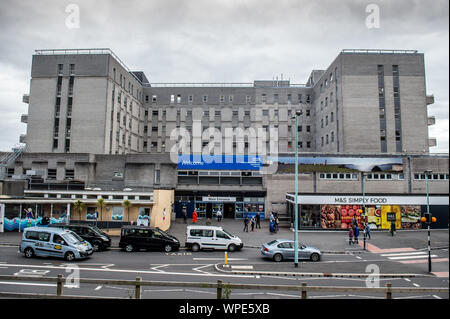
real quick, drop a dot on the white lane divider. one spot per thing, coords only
(204, 266)
(241, 267)
(416, 285)
(220, 259)
(411, 257)
(160, 266)
(98, 288)
(437, 297)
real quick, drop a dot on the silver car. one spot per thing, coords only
(282, 249)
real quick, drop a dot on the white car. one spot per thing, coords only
(211, 237)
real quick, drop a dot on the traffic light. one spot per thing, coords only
(427, 218)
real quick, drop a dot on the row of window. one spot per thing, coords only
(327, 139)
(123, 81)
(431, 177)
(248, 99)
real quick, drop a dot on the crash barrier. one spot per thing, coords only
(223, 289)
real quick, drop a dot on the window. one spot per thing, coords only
(222, 98)
(289, 98)
(308, 128)
(154, 129)
(155, 113)
(299, 98)
(154, 98)
(157, 176)
(275, 112)
(145, 128)
(321, 123)
(172, 98)
(230, 98)
(145, 144)
(217, 113)
(235, 113)
(331, 117)
(263, 98)
(308, 144)
(221, 234)
(205, 98)
(332, 137)
(300, 128)
(247, 113)
(275, 98)
(328, 141)
(154, 144)
(60, 69)
(300, 144)
(321, 143)
(51, 173)
(308, 112)
(326, 120)
(72, 69)
(326, 101)
(265, 112)
(248, 98)
(190, 98)
(70, 173)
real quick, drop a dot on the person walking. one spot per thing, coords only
(258, 220)
(367, 231)
(392, 228)
(219, 215)
(246, 223)
(272, 217)
(185, 214)
(277, 223)
(194, 216)
(271, 226)
(350, 235)
(253, 221)
(356, 234)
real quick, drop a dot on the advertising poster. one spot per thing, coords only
(339, 216)
(411, 217)
(390, 213)
(374, 216)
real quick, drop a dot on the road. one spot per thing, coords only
(188, 266)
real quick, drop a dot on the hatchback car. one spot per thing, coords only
(283, 249)
(141, 237)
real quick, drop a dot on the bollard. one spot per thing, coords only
(388, 291)
(137, 292)
(304, 296)
(59, 285)
(365, 241)
(226, 258)
(219, 289)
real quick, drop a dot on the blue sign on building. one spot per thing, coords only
(219, 162)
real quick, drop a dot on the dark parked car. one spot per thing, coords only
(97, 238)
(142, 237)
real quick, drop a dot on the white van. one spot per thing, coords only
(211, 237)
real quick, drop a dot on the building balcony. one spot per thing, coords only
(431, 120)
(23, 138)
(26, 98)
(24, 118)
(430, 99)
(432, 142)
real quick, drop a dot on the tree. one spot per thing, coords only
(101, 204)
(79, 206)
(127, 204)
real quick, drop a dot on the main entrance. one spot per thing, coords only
(232, 205)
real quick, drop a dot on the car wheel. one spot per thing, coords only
(278, 257)
(96, 246)
(167, 248)
(195, 247)
(129, 248)
(232, 247)
(29, 252)
(315, 257)
(70, 256)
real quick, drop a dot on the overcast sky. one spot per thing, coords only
(221, 41)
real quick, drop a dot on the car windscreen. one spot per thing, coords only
(272, 243)
(228, 233)
(72, 238)
(98, 230)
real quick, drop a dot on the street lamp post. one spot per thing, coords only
(297, 114)
(427, 172)
(364, 208)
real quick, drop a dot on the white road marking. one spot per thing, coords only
(200, 291)
(416, 285)
(404, 254)
(248, 293)
(362, 296)
(407, 279)
(437, 297)
(411, 257)
(163, 290)
(229, 259)
(358, 257)
(25, 284)
(138, 271)
(411, 297)
(98, 288)
(327, 296)
(241, 267)
(283, 295)
(161, 266)
(204, 266)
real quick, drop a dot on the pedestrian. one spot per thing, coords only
(253, 221)
(350, 235)
(185, 214)
(258, 220)
(277, 223)
(219, 215)
(194, 217)
(354, 222)
(367, 230)
(246, 223)
(356, 233)
(271, 218)
(392, 228)
(271, 223)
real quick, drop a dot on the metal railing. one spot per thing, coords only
(303, 289)
(379, 51)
